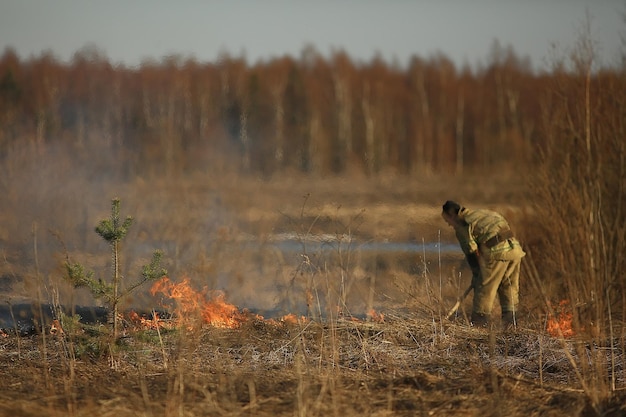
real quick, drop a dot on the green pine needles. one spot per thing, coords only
(113, 230)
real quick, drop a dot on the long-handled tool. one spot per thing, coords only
(459, 301)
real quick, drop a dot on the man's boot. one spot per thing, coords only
(508, 320)
(479, 320)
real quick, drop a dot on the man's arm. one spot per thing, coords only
(472, 261)
(470, 249)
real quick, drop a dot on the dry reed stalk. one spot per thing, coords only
(158, 330)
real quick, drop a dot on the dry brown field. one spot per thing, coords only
(319, 332)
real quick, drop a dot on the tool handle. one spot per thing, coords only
(458, 302)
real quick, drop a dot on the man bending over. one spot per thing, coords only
(494, 257)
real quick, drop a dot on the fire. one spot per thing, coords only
(56, 328)
(154, 322)
(189, 304)
(375, 316)
(190, 307)
(561, 323)
(217, 312)
(293, 319)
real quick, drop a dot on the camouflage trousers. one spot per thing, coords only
(497, 277)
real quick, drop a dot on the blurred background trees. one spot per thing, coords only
(314, 115)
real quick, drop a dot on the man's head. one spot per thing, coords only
(450, 213)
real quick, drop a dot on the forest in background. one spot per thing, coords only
(311, 115)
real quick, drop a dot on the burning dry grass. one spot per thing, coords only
(560, 323)
(402, 365)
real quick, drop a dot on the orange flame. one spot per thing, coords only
(191, 307)
(561, 323)
(56, 328)
(151, 323)
(375, 316)
(189, 304)
(293, 319)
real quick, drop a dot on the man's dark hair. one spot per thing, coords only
(451, 207)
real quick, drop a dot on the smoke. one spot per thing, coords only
(57, 191)
(212, 226)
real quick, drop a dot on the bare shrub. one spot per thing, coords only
(578, 237)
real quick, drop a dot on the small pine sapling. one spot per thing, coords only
(113, 230)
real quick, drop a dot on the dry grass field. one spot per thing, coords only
(405, 365)
(311, 332)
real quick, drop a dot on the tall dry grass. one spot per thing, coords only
(578, 230)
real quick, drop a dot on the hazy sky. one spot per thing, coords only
(129, 31)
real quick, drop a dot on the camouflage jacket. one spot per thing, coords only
(478, 226)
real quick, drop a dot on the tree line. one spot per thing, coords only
(312, 114)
